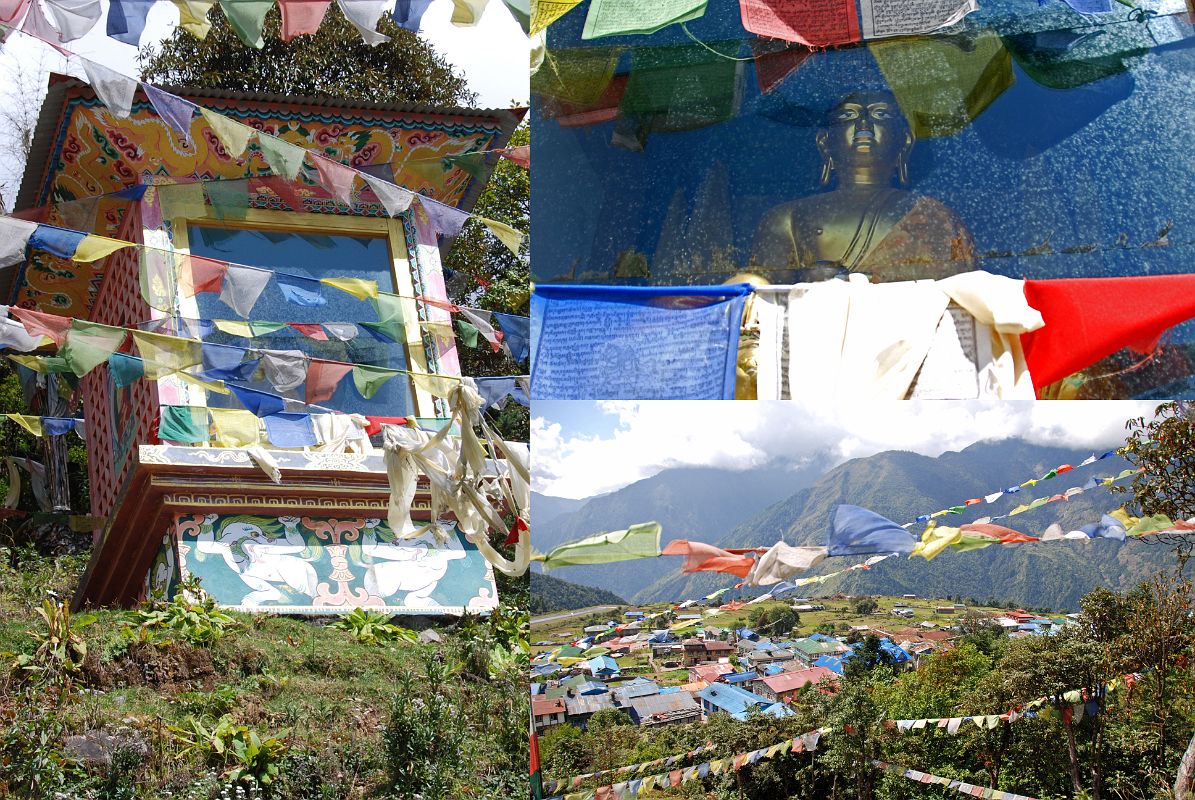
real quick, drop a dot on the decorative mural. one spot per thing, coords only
(318, 565)
(96, 153)
(163, 577)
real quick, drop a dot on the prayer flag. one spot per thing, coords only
(618, 18)
(126, 20)
(395, 198)
(39, 323)
(193, 16)
(446, 220)
(622, 343)
(113, 89)
(637, 541)
(359, 288)
(322, 378)
(247, 18)
(183, 424)
(174, 110)
(232, 134)
(14, 239)
(520, 155)
(301, 17)
(300, 290)
(545, 12)
(73, 18)
(702, 557)
(409, 13)
(856, 531)
(285, 159)
(59, 241)
(125, 369)
(467, 13)
(344, 331)
(93, 247)
(229, 198)
(234, 427)
(162, 355)
(495, 390)
(368, 379)
(290, 430)
(260, 403)
(285, 369)
(57, 426)
(783, 561)
(311, 330)
(242, 286)
(364, 15)
(510, 237)
(437, 385)
(89, 344)
(225, 363)
(31, 424)
(388, 306)
(467, 333)
(336, 178)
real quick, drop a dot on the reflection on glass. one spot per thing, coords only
(312, 256)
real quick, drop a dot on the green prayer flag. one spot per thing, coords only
(956, 509)
(284, 158)
(472, 164)
(125, 369)
(391, 330)
(232, 134)
(88, 344)
(230, 199)
(247, 18)
(259, 328)
(467, 332)
(637, 541)
(618, 17)
(388, 306)
(1052, 473)
(368, 379)
(183, 424)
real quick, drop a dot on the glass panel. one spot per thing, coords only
(313, 256)
(1028, 142)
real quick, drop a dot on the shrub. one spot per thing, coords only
(423, 739)
(245, 756)
(191, 616)
(373, 627)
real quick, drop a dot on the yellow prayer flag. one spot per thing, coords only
(162, 354)
(212, 386)
(193, 16)
(440, 328)
(357, 287)
(545, 12)
(34, 363)
(31, 424)
(513, 239)
(232, 134)
(182, 200)
(935, 540)
(234, 327)
(94, 247)
(234, 427)
(438, 385)
(467, 13)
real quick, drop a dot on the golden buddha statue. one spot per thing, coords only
(864, 223)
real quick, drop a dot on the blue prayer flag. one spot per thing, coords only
(176, 111)
(59, 241)
(495, 389)
(226, 363)
(636, 343)
(262, 404)
(126, 20)
(290, 430)
(856, 531)
(57, 426)
(409, 13)
(125, 369)
(300, 290)
(1107, 528)
(515, 334)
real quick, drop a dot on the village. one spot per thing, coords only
(676, 664)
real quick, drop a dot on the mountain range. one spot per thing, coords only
(756, 508)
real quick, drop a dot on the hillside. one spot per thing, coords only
(548, 508)
(553, 594)
(690, 503)
(901, 485)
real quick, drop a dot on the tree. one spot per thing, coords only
(865, 605)
(1164, 450)
(333, 62)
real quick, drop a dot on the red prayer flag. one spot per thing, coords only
(336, 178)
(322, 377)
(311, 329)
(1005, 535)
(200, 274)
(520, 155)
(39, 323)
(376, 423)
(1090, 318)
(818, 23)
(301, 16)
(702, 557)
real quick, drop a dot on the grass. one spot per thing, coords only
(327, 696)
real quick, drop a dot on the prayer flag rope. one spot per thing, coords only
(959, 786)
(46, 426)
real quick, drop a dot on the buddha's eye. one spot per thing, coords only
(881, 113)
(847, 114)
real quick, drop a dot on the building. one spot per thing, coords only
(547, 713)
(602, 667)
(639, 687)
(674, 708)
(809, 650)
(580, 708)
(737, 702)
(172, 499)
(698, 651)
(785, 686)
(709, 672)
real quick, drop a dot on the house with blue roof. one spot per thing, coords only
(640, 687)
(898, 655)
(739, 677)
(747, 633)
(602, 667)
(591, 688)
(737, 702)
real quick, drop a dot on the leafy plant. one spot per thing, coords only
(424, 738)
(61, 649)
(245, 756)
(191, 615)
(373, 627)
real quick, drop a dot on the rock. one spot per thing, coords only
(429, 636)
(95, 748)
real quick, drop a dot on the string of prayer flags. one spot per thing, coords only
(962, 787)
(637, 541)
(618, 18)
(702, 557)
(643, 321)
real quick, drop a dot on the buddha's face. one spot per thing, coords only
(865, 129)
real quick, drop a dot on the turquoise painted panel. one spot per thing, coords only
(320, 565)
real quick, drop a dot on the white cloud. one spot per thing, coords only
(653, 436)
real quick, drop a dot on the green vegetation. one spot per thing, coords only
(187, 701)
(1129, 747)
(553, 594)
(373, 627)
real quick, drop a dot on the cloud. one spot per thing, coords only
(649, 437)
